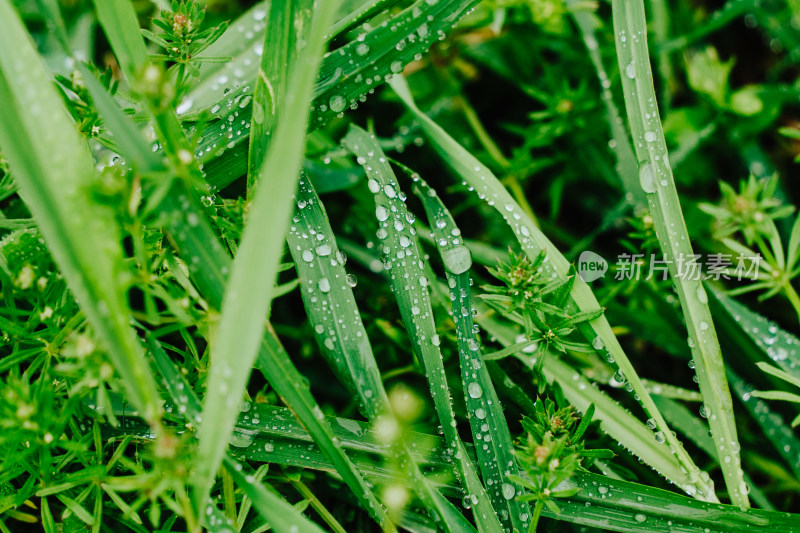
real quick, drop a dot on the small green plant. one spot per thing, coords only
(752, 213)
(539, 305)
(183, 39)
(551, 451)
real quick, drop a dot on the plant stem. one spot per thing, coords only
(537, 513)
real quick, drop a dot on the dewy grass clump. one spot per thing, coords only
(498, 266)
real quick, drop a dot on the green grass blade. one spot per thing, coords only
(493, 445)
(655, 176)
(330, 303)
(248, 293)
(55, 172)
(627, 168)
(121, 26)
(533, 241)
(287, 22)
(754, 334)
(409, 283)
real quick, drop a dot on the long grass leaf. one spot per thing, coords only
(55, 173)
(533, 241)
(656, 180)
(287, 23)
(122, 29)
(248, 293)
(409, 283)
(493, 445)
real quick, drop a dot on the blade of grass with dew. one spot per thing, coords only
(755, 334)
(121, 26)
(246, 302)
(330, 305)
(656, 180)
(409, 284)
(493, 445)
(683, 420)
(780, 435)
(347, 76)
(533, 241)
(612, 504)
(287, 23)
(54, 171)
(627, 168)
(615, 420)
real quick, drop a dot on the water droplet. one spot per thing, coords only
(374, 186)
(701, 294)
(381, 213)
(630, 70)
(308, 256)
(323, 250)
(650, 136)
(474, 390)
(703, 325)
(639, 517)
(324, 285)
(480, 413)
(337, 103)
(646, 178)
(509, 491)
(598, 343)
(457, 260)
(351, 280)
